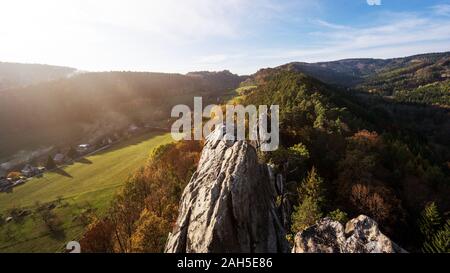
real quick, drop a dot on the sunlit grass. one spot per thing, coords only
(91, 182)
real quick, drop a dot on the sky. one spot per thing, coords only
(239, 35)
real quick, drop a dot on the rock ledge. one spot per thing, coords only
(361, 235)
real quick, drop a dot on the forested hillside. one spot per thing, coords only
(92, 105)
(14, 75)
(418, 79)
(341, 155)
(346, 155)
(346, 148)
(217, 80)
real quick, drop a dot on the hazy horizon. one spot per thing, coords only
(198, 35)
(217, 70)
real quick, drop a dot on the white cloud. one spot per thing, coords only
(183, 35)
(129, 34)
(326, 24)
(374, 2)
(399, 35)
(441, 10)
(193, 19)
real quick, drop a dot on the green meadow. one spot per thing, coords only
(88, 184)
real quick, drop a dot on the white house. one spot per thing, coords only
(83, 148)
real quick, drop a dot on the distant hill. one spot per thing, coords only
(14, 75)
(419, 103)
(89, 106)
(421, 78)
(344, 72)
(218, 79)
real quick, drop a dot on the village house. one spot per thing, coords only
(30, 171)
(82, 148)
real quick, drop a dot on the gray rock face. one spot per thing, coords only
(228, 206)
(361, 235)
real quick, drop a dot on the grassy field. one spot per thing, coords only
(89, 183)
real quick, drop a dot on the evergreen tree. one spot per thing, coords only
(50, 163)
(312, 186)
(440, 241)
(311, 201)
(339, 215)
(436, 238)
(430, 221)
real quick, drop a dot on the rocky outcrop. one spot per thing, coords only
(229, 204)
(361, 235)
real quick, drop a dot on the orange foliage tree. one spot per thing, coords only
(98, 237)
(359, 189)
(143, 213)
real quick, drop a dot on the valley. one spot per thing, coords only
(73, 192)
(360, 139)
